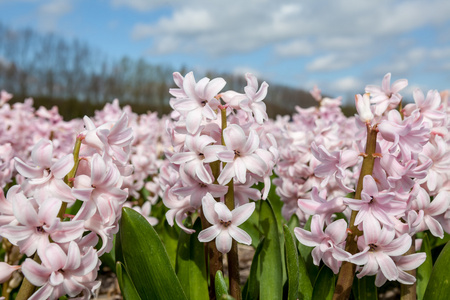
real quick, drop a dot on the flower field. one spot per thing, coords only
(335, 207)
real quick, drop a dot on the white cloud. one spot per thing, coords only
(336, 61)
(51, 12)
(218, 28)
(141, 5)
(294, 48)
(346, 84)
(241, 71)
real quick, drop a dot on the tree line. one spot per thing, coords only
(79, 78)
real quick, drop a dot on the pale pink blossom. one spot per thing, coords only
(436, 151)
(429, 107)
(253, 102)
(432, 211)
(363, 108)
(386, 95)
(333, 164)
(407, 136)
(6, 271)
(403, 263)
(199, 101)
(197, 189)
(45, 176)
(377, 248)
(328, 244)
(4, 97)
(101, 191)
(38, 223)
(198, 150)
(240, 155)
(179, 207)
(225, 223)
(63, 273)
(320, 205)
(375, 205)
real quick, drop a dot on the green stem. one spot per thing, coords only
(27, 289)
(71, 175)
(408, 291)
(233, 257)
(347, 272)
(213, 258)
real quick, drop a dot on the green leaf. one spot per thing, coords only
(270, 262)
(108, 260)
(424, 270)
(221, 285)
(146, 259)
(439, 283)
(324, 285)
(191, 264)
(305, 254)
(366, 288)
(292, 261)
(169, 237)
(436, 241)
(251, 226)
(251, 288)
(126, 285)
(305, 251)
(118, 255)
(293, 222)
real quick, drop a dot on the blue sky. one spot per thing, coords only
(339, 45)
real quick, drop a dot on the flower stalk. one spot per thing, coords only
(347, 272)
(408, 291)
(233, 257)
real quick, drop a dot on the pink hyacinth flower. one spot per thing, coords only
(374, 204)
(377, 247)
(63, 273)
(333, 164)
(253, 103)
(409, 134)
(386, 95)
(39, 223)
(200, 101)
(198, 151)
(328, 244)
(225, 223)
(363, 108)
(6, 271)
(240, 155)
(46, 176)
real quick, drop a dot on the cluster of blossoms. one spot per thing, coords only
(88, 183)
(146, 155)
(314, 132)
(219, 146)
(400, 188)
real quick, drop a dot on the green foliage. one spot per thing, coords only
(305, 252)
(438, 287)
(126, 285)
(270, 261)
(365, 289)
(146, 260)
(324, 284)
(251, 288)
(425, 269)
(292, 264)
(221, 286)
(191, 264)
